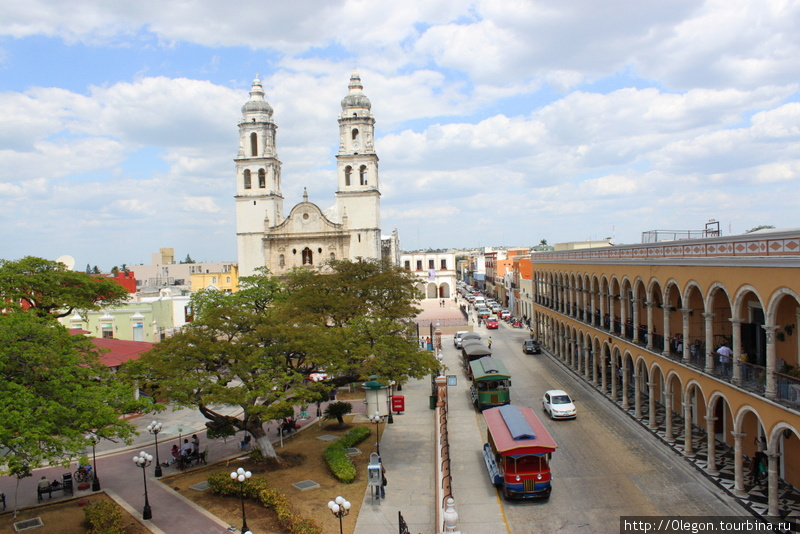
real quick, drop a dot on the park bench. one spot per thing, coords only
(65, 485)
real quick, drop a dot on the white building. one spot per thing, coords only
(436, 272)
(308, 236)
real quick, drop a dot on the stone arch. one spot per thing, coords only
(431, 291)
(444, 290)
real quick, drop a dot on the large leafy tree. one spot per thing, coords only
(49, 288)
(255, 348)
(53, 391)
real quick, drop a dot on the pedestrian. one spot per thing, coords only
(186, 448)
(489, 341)
(758, 469)
(725, 354)
(195, 445)
(383, 482)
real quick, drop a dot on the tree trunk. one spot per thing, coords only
(262, 440)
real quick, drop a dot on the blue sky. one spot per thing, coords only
(499, 122)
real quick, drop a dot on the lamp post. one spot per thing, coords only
(143, 460)
(376, 418)
(154, 428)
(241, 476)
(95, 480)
(339, 507)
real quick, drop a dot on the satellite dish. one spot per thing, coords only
(67, 260)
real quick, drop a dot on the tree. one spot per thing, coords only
(48, 288)
(256, 348)
(337, 410)
(53, 391)
(188, 259)
(757, 228)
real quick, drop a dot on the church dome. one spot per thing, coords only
(257, 104)
(355, 98)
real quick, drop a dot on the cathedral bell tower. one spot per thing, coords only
(259, 202)
(358, 195)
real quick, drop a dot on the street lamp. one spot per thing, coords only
(154, 428)
(377, 419)
(143, 460)
(95, 480)
(241, 476)
(339, 507)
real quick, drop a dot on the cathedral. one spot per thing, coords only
(309, 236)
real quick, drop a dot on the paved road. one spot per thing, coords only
(606, 465)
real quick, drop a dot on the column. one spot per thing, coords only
(625, 403)
(665, 330)
(772, 483)
(709, 327)
(668, 418)
(595, 365)
(637, 394)
(652, 424)
(711, 446)
(623, 314)
(586, 368)
(603, 306)
(604, 373)
(614, 379)
(594, 307)
(685, 312)
(738, 465)
(636, 320)
(736, 334)
(688, 446)
(650, 306)
(770, 389)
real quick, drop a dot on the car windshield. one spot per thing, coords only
(561, 399)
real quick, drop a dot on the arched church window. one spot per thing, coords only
(347, 172)
(319, 250)
(281, 260)
(308, 256)
(362, 175)
(354, 134)
(262, 178)
(333, 256)
(247, 179)
(254, 144)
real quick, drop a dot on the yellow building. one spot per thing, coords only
(643, 324)
(227, 280)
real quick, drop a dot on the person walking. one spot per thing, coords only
(725, 354)
(489, 341)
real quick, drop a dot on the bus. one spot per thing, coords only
(471, 350)
(518, 452)
(491, 383)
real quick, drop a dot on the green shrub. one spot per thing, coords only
(258, 488)
(336, 454)
(103, 517)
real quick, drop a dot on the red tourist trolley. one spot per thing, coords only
(518, 452)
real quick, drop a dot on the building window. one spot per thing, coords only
(228, 280)
(419, 265)
(247, 179)
(347, 172)
(444, 265)
(262, 178)
(333, 256)
(253, 144)
(431, 264)
(362, 175)
(408, 265)
(308, 256)
(354, 134)
(281, 260)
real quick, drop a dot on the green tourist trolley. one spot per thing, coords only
(491, 383)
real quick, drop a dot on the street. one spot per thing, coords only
(606, 465)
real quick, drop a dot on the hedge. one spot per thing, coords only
(336, 454)
(258, 489)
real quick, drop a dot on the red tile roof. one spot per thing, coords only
(119, 350)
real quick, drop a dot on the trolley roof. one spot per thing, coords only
(517, 430)
(488, 368)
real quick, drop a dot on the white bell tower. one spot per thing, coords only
(358, 196)
(259, 202)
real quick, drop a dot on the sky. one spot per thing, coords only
(498, 122)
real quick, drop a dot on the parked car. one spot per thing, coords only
(558, 405)
(529, 346)
(492, 324)
(483, 313)
(457, 338)
(505, 314)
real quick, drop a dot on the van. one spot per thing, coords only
(479, 301)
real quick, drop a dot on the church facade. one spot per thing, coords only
(308, 236)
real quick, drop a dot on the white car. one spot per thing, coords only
(558, 405)
(457, 338)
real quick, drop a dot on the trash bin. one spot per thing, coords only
(432, 400)
(66, 483)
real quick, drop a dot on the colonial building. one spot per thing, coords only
(644, 324)
(309, 236)
(436, 272)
